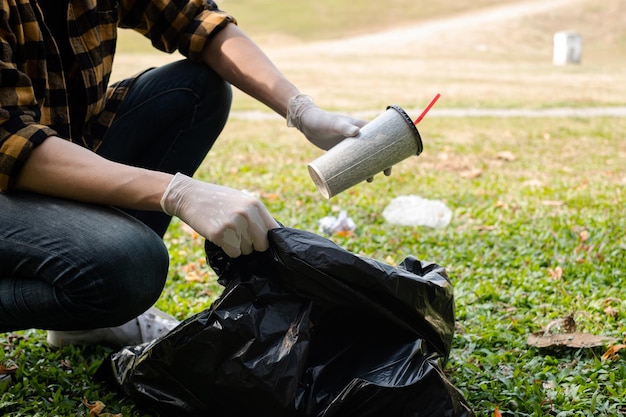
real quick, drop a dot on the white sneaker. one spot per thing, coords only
(147, 327)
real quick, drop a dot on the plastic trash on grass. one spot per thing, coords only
(342, 224)
(412, 210)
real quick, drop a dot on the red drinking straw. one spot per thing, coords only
(430, 105)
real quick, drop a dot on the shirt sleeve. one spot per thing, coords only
(20, 130)
(183, 25)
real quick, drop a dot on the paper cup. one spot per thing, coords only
(382, 143)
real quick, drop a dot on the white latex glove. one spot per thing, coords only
(235, 221)
(321, 128)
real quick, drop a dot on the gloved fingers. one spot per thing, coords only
(360, 123)
(347, 126)
(246, 244)
(230, 243)
(259, 223)
(247, 232)
(387, 173)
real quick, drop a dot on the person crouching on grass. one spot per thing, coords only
(91, 173)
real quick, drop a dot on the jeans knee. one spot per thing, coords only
(214, 93)
(126, 278)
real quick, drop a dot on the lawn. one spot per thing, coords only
(538, 226)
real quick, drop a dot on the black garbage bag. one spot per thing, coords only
(303, 329)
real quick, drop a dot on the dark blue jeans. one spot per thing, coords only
(66, 265)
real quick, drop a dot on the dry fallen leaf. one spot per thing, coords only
(96, 408)
(501, 204)
(612, 351)
(195, 271)
(534, 183)
(572, 340)
(270, 196)
(189, 230)
(611, 312)
(7, 366)
(471, 173)
(562, 332)
(506, 156)
(193, 276)
(556, 274)
(484, 228)
(584, 235)
(609, 309)
(552, 203)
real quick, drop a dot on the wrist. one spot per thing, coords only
(172, 195)
(296, 107)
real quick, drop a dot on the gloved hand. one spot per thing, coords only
(321, 128)
(235, 221)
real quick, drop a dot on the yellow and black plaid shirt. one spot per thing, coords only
(33, 90)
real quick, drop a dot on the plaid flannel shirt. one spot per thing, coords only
(33, 95)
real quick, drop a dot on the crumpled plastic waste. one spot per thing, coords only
(413, 210)
(342, 224)
(304, 329)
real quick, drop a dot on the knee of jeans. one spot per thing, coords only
(211, 87)
(127, 277)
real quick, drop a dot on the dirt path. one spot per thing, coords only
(397, 39)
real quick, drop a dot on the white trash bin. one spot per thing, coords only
(567, 48)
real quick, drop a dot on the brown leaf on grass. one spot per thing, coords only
(189, 230)
(534, 183)
(195, 271)
(389, 259)
(484, 228)
(96, 408)
(65, 364)
(506, 156)
(611, 352)
(572, 340)
(609, 309)
(270, 196)
(553, 203)
(501, 204)
(583, 236)
(7, 366)
(556, 274)
(193, 276)
(562, 332)
(611, 312)
(470, 174)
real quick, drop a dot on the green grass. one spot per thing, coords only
(558, 205)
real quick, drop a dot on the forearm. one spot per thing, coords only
(242, 63)
(63, 169)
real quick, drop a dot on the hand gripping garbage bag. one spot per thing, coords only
(303, 329)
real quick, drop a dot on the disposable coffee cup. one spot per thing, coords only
(388, 139)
